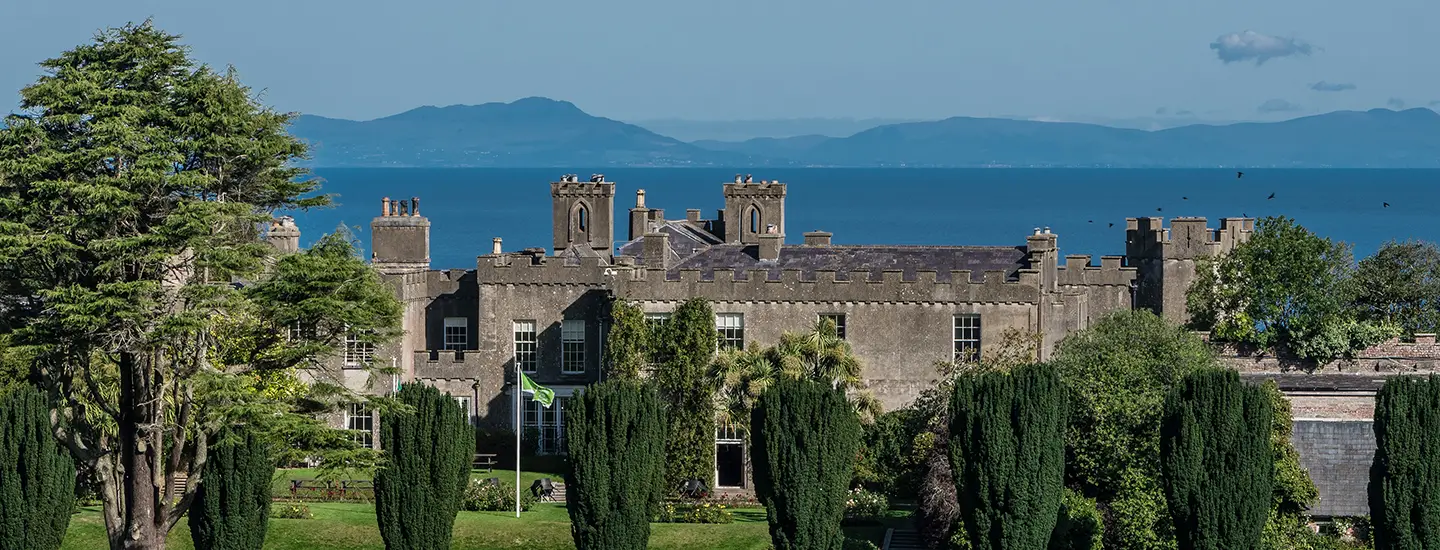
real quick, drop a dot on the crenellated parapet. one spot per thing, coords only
(1186, 238)
(794, 285)
(1078, 271)
(538, 269)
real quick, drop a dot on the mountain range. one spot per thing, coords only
(540, 132)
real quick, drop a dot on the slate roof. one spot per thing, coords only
(1337, 455)
(692, 247)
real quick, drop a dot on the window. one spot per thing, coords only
(549, 422)
(358, 353)
(726, 432)
(583, 215)
(572, 346)
(457, 332)
(839, 320)
(464, 402)
(967, 338)
(754, 220)
(526, 345)
(732, 330)
(657, 319)
(360, 424)
(301, 330)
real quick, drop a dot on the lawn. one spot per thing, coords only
(546, 525)
(281, 486)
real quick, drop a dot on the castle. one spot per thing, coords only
(902, 308)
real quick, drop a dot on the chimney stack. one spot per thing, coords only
(495, 247)
(657, 250)
(692, 215)
(817, 238)
(770, 246)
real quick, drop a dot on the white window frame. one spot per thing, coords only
(965, 337)
(456, 340)
(464, 401)
(549, 422)
(527, 351)
(357, 353)
(572, 346)
(365, 435)
(731, 329)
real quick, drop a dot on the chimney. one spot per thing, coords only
(657, 250)
(639, 216)
(639, 198)
(692, 214)
(817, 238)
(770, 246)
(495, 247)
(283, 234)
(414, 206)
(385, 206)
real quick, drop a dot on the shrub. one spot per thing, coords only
(805, 436)
(859, 544)
(865, 505)
(37, 476)
(704, 512)
(688, 347)
(1007, 453)
(232, 503)
(615, 436)
(1079, 526)
(291, 510)
(1405, 474)
(1216, 456)
(481, 496)
(427, 464)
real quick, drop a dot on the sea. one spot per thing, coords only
(1086, 208)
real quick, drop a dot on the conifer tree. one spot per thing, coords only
(689, 393)
(1405, 476)
(1007, 453)
(419, 485)
(37, 477)
(804, 439)
(232, 504)
(1216, 459)
(615, 438)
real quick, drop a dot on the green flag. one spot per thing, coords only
(541, 393)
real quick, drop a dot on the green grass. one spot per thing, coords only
(281, 486)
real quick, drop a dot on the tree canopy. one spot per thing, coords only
(1400, 285)
(132, 269)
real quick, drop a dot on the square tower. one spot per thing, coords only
(753, 209)
(583, 213)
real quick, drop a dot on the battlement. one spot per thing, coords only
(1078, 271)
(1186, 238)
(746, 187)
(571, 186)
(532, 268)
(794, 285)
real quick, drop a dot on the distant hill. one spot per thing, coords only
(527, 132)
(1379, 138)
(545, 132)
(741, 130)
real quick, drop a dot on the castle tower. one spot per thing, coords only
(583, 214)
(284, 235)
(400, 251)
(1164, 259)
(752, 208)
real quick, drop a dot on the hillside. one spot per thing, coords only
(527, 132)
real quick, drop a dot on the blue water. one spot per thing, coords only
(467, 207)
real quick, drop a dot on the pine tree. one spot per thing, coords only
(689, 393)
(37, 478)
(1007, 453)
(805, 436)
(1405, 476)
(628, 342)
(615, 438)
(136, 184)
(419, 485)
(232, 504)
(1216, 459)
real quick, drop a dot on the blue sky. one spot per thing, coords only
(757, 59)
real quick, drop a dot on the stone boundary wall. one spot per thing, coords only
(1392, 357)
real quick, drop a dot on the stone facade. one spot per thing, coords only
(903, 307)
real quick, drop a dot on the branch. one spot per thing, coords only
(197, 467)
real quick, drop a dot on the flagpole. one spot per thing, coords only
(519, 389)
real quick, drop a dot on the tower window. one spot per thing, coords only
(583, 219)
(754, 220)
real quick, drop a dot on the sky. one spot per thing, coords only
(775, 59)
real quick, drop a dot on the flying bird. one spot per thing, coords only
(1387, 205)
(1239, 175)
(1272, 195)
(1091, 221)
(1159, 209)
(1184, 198)
(1112, 224)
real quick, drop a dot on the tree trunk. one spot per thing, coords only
(138, 426)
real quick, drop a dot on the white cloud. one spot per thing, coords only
(1323, 86)
(1248, 45)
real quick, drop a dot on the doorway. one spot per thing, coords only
(730, 465)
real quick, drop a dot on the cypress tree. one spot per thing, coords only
(1007, 453)
(689, 393)
(1405, 476)
(37, 477)
(615, 436)
(1216, 459)
(804, 439)
(232, 503)
(419, 483)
